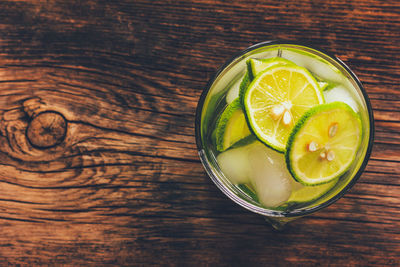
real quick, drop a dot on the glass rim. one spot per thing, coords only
(247, 205)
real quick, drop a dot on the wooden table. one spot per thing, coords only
(98, 162)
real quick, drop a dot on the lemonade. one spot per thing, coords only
(284, 129)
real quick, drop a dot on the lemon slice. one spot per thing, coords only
(323, 143)
(276, 99)
(231, 126)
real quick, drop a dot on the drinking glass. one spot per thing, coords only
(212, 102)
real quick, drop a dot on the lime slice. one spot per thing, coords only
(323, 85)
(231, 126)
(302, 194)
(255, 66)
(323, 143)
(247, 189)
(243, 85)
(276, 99)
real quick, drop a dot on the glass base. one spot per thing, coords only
(278, 223)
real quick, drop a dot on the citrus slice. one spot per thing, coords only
(276, 99)
(323, 85)
(249, 191)
(231, 126)
(243, 85)
(302, 194)
(323, 143)
(255, 66)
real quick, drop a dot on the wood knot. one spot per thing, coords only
(47, 129)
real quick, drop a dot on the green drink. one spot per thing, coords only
(284, 130)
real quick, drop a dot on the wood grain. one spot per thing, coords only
(98, 163)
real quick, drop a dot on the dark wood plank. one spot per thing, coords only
(98, 162)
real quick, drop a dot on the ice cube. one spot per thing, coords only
(340, 93)
(234, 163)
(269, 175)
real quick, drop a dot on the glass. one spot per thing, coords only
(212, 101)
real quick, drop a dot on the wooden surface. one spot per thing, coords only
(98, 163)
